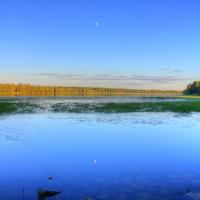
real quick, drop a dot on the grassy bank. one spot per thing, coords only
(187, 97)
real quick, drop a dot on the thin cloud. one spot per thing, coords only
(136, 81)
(107, 77)
(171, 70)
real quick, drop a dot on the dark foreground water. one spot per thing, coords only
(115, 155)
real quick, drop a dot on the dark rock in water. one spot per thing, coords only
(42, 194)
(87, 198)
(50, 178)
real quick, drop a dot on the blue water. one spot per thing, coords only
(147, 156)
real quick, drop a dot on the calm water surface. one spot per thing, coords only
(147, 156)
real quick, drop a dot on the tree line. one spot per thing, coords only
(37, 90)
(193, 88)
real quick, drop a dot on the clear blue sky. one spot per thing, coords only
(149, 39)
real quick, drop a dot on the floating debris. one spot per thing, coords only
(193, 195)
(42, 194)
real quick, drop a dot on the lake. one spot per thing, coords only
(126, 153)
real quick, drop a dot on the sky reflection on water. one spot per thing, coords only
(138, 155)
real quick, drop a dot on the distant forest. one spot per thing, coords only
(193, 88)
(35, 90)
